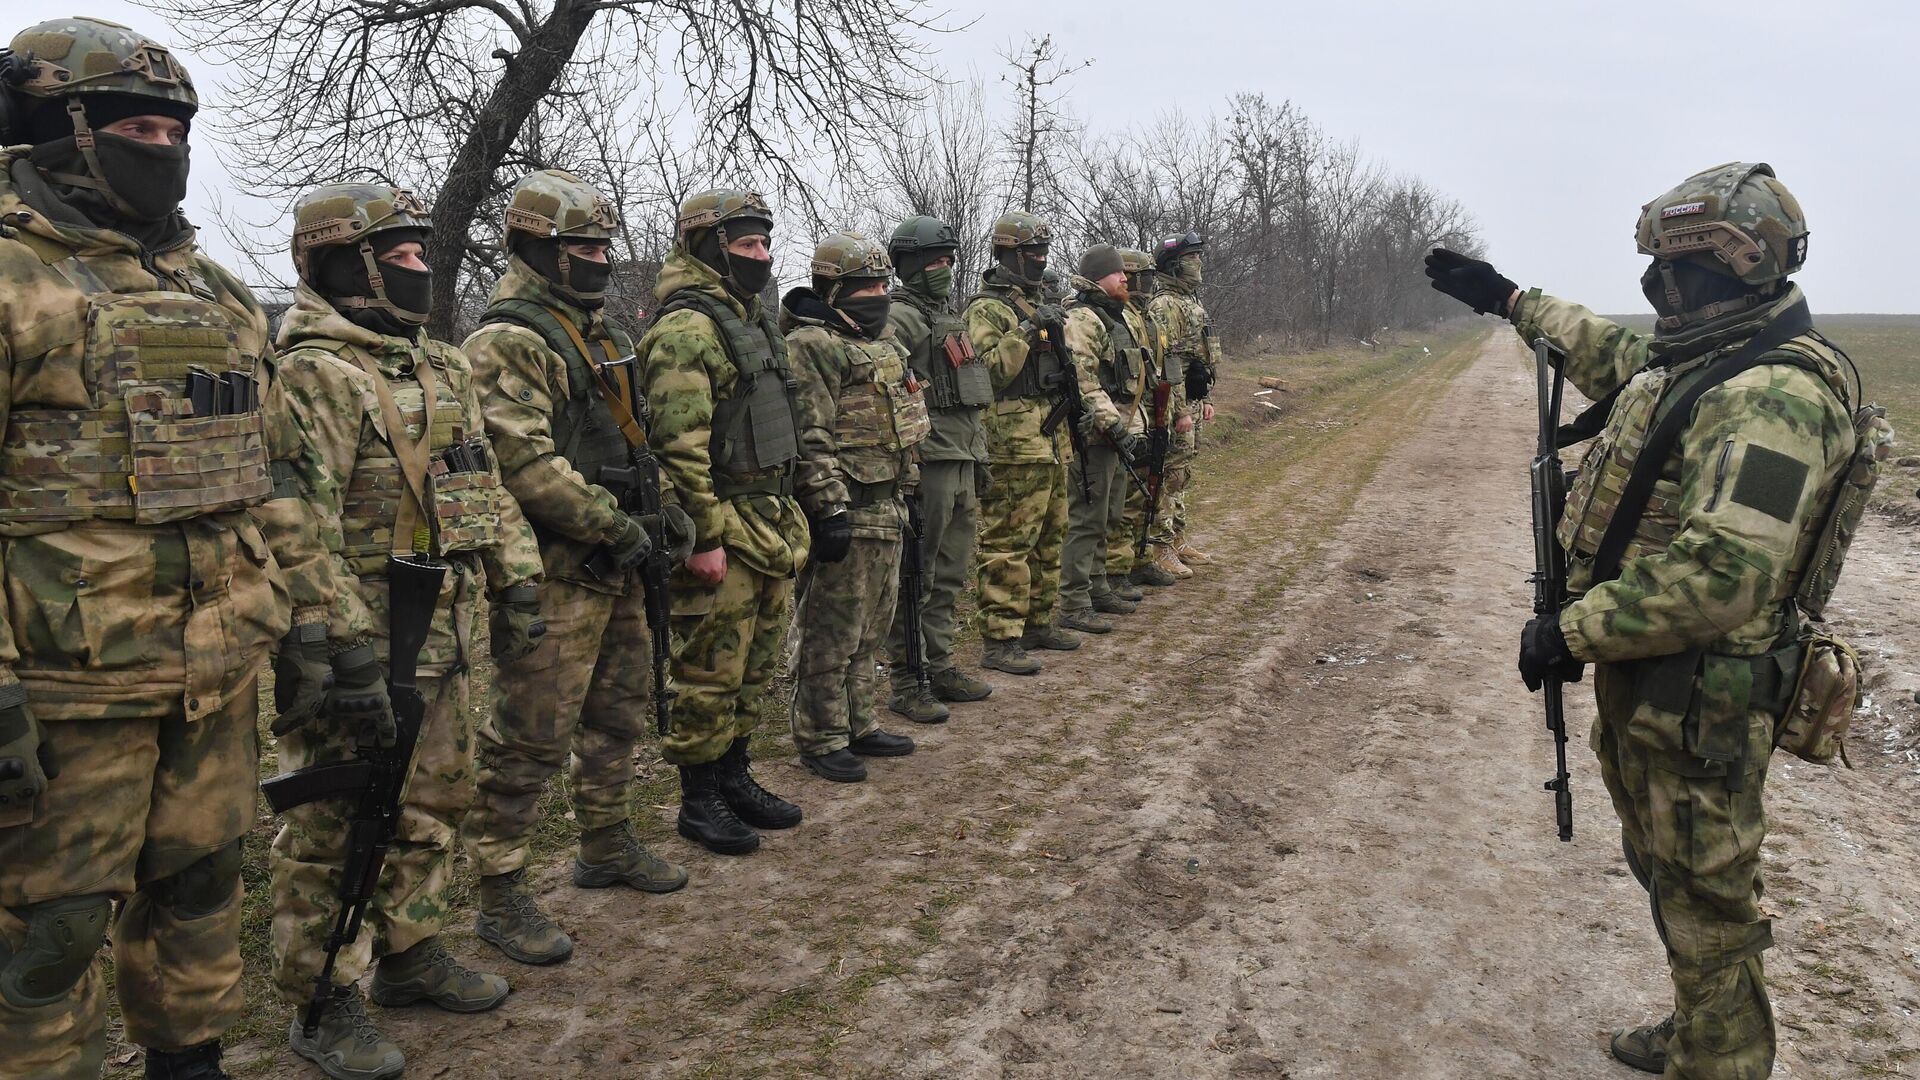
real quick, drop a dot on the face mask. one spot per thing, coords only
(409, 290)
(934, 284)
(585, 281)
(1138, 286)
(750, 276)
(151, 181)
(1190, 272)
(869, 313)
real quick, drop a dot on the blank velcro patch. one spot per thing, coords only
(1770, 482)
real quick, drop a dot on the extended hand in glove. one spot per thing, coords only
(832, 537)
(302, 673)
(358, 699)
(516, 626)
(26, 762)
(1473, 282)
(632, 545)
(1131, 446)
(679, 533)
(1544, 654)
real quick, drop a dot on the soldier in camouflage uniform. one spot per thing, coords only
(1694, 640)
(1192, 358)
(714, 368)
(861, 416)
(1104, 340)
(141, 596)
(953, 461)
(581, 699)
(390, 461)
(1023, 515)
(1124, 536)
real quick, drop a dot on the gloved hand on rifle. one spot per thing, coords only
(358, 700)
(1473, 282)
(832, 536)
(678, 530)
(630, 546)
(982, 479)
(1048, 317)
(516, 626)
(1131, 447)
(302, 674)
(1544, 654)
(26, 762)
(1199, 381)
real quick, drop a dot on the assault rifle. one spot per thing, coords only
(375, 777)
(1159, 441)
(1549, 561)
(637, 488)
(1067, 408)
(913, 583)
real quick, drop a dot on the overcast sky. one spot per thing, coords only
(1552, 122)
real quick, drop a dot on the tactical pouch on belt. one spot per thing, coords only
(1826, 692)
(466, 496)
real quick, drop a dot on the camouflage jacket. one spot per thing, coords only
(1146, 332)
(335, 412)
(106, 618)
(522, 385)
(1091, 346)
(856, 437)
(1753, 471)
(1186, 324)
(919, 326)
(684, 371)
(1013, 425)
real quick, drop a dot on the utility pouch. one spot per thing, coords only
(1716, 725)
(973, 387)
(1825, 696)
(465, 496)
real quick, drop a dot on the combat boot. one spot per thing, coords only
(346, 1045)
(705, 817)
(1109, 603)
(1008, 656)
(1125, 590)
(877, 743)
(839, 766)
(194, 1063)
(427, 972)
(952, 684)
(512, 922)
(1187, 553)
(1082, 619)
(750, 802)
(1165, 559)
(1149, 573)
(919, 706)
(614, 856)
(1049, 637)
(1644, 1048)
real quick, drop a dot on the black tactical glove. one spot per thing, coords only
(1544, 654)
(1131, 447)
(632, 545)
(679, 533)
(301, 675)
(26, 761)
(516, 626)
(982, 479)
(1473, 282)
(1199, 380)
(358, 699)
(832, 537)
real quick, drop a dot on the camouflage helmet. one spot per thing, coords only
(337, 215)
(1139, 267)
(554, 202)
(848, 255)
(922, 234)
(1018, 229)
(77, 56)
(1053, 284)
(1734, 219)
(1170, 250)
(710, 209)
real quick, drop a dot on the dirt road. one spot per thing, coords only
(1287, 824)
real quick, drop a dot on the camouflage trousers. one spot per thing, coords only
(137, 802)
(1096, 504)
(581, 700)
(1124, 533)
(1693, 841)
(1023, 527)
(948, 509)
(410, 902)
(1182, 448)
(726, 642)
(846, 609)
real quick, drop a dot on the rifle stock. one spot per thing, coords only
(1550, 563)
(913, 578)
(1159, 442)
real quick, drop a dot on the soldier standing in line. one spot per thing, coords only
(559, 411)
(390, 461)
(953, 461)
(1123, 538)
(713, 366)
(1192, 360)
(861, 416)
(1023, 516)
(1111, 366)
(141, 596)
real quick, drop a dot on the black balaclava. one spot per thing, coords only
(581, 282)
(1023, 265)
(1693, 287)
(745, 278)
(138, 187)
(864, 315)
(340, 275)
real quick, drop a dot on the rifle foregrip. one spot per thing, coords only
(336, 780)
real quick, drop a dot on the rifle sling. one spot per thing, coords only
(615, 396)
(413, 515)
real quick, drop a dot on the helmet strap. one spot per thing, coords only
(378, 283)
(83, 139)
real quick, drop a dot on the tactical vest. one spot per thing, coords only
(754, 430)
(1120, 376)
(1609, 461)
(879, 407)
(140, 452)
(1040, 376)
(1182, 349)
(465, 501)
(956, 377)
(584, 430)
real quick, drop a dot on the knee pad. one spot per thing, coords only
(61, 939)
(201, 888)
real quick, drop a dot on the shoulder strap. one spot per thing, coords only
(413, 521)
(1660, 442)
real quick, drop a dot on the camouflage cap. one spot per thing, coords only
(1017, 229)
(336, 214)
(82, 56)
(718, 206)
(1736, 218)
(922, 233)
(846, 255)
(554, 202)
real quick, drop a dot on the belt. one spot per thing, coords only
(774, 483)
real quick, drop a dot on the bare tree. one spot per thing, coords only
(941, 162)
(1040, 123)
